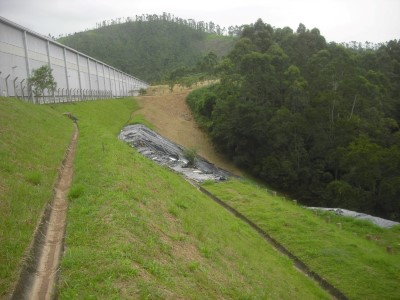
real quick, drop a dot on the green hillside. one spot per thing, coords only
(148, 50)
(138, 231)
(135, 229)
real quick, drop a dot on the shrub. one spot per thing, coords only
(190, 154)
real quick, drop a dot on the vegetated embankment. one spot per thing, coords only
(168, 154)
(33, 140)
(359, 258)
(342, 252)
(137, 230)
(39, 277)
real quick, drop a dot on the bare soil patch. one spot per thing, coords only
(172, 118)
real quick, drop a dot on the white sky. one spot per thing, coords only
(338, 20)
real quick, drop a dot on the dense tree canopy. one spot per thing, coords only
(316, 120)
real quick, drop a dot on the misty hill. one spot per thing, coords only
(149, 49)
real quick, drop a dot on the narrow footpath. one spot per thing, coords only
(38, 278)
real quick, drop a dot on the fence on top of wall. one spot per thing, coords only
(78, 76)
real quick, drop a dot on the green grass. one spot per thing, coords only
(138, 231)
(354, 258)
(139, 119)
(33, 140)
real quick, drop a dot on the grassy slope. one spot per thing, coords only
(33, 140)
(361, 268)
(137, 230)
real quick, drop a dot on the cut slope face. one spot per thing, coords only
(172, 118)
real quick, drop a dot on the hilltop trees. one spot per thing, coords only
(154, 48)
(318, 121)
(207, 27)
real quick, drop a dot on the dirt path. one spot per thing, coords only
(172, 118)
(38, 280)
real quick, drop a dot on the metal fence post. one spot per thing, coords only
(22, 89)
(15, 88)
(7, 85)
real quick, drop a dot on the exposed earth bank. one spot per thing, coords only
(172, 119)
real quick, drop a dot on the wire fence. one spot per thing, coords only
(21, 90)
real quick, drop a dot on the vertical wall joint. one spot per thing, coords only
(66, 71)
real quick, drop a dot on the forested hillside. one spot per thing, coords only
(316, 120)
(150, 49)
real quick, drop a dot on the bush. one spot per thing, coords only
(201, 102)
(190, 154)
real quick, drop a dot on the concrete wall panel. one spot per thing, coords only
(21, 48)
(59, 76)
(11, 35)
(56, 51)
(36, 44)
(35, 56)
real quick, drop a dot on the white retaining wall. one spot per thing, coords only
(76, 74)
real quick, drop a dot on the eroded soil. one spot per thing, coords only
(172, 118)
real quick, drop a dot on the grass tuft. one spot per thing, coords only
(75, 192)
(33, 177)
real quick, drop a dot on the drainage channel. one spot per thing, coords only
(38, 277)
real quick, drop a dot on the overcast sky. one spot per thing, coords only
(338, 20)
